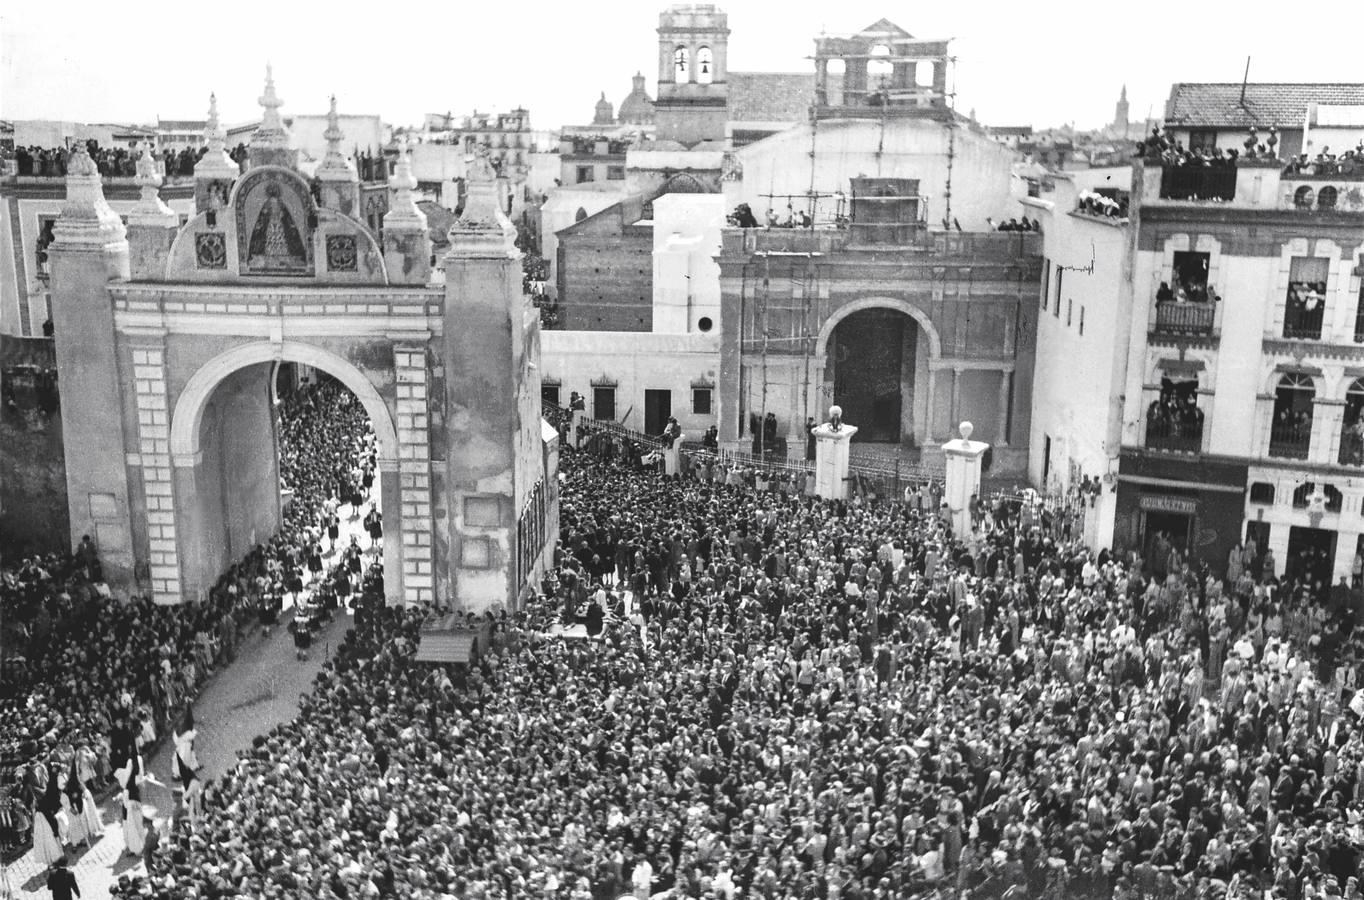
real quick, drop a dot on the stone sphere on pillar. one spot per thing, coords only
(835, 412)
(965, 430)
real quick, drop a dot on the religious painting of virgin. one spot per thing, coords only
(275, 241)
(271, 218)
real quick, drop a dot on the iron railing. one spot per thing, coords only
(1290, 441)
(1176, 435)
(1174, 317)
(1196, 182)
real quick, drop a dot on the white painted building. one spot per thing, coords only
(1082, 336)
(1242, 391)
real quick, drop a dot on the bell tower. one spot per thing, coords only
(693, 74)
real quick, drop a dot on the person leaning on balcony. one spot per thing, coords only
(1164, 294)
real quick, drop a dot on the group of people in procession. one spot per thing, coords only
(794, 698)
(91, 682)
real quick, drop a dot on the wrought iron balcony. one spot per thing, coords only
(1302, 324)
(1198, 182)
(1290, 441)
(1174, 317)
(1175, 435)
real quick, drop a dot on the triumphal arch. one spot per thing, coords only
(168, 335)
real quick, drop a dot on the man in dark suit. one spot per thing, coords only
(61, 882)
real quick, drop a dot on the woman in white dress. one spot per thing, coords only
(134, 828)
(71, 809)
(84, 812)
(47, 841)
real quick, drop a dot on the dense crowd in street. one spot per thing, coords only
(797, 698)
(93, 680)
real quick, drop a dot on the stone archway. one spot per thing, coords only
(189, 407)
(903, 410)
(202, 520)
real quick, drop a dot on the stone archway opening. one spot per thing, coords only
(877, 371)
(245, 469)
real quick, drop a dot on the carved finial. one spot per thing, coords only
(479, 166)
(215, 164)
(150, 209)
(147, 173)
(335, 162)
(333, 134)
(482, 228)
(402, 180)
(86, 219)
(80, 163)
(965, 430)
(270, 102)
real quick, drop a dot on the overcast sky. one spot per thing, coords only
(1017, 63)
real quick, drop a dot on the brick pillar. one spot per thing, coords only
(153, 437)
(414, 474)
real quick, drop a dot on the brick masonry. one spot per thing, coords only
(153, 436)
(414, 469)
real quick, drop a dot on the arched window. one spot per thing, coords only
(1303, 196)
(1352, 426)
(1326, 198)
(1290, 431)
(580, 215)
(705, 66)
(681, 65)
(1262, 492)
(879, 68)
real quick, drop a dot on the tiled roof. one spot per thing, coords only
(1284, 105)
(771, 96)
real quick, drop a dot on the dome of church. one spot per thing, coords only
(638, 108)
(603, 114)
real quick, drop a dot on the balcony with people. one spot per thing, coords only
(1305, 309)
(1290, 430)
(1206, 173)
(1173, 421)
(1189, 307)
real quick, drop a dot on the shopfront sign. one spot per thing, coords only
(1157, 503)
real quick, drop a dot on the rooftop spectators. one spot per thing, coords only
(112, 162)
(1348, 164)
(1096, 204)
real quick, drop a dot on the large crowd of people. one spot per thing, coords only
(791, 698)
(91, 681)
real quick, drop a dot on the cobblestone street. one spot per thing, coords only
(259, 689)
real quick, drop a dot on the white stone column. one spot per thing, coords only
(153, 435)
(962, 480)
(1328, 417)
(1345, 553)
(831, 457)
